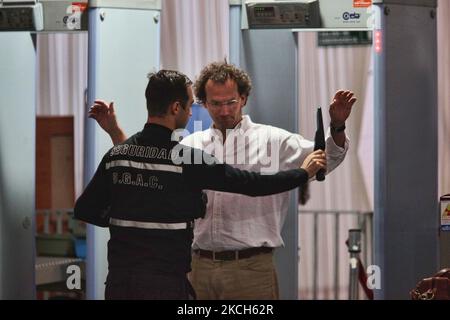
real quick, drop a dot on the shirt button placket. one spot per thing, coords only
(217, 216)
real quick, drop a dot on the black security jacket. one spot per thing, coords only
(143, 180)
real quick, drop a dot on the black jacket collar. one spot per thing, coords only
(153, 130)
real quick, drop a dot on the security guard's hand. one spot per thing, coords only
(314, 162)
(105, 116)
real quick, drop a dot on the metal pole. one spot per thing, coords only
(336, 256)
(354, 248)
(315, 258)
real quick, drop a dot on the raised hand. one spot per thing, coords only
(105, 116)
(341, 107)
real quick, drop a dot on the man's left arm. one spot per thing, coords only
(337, 142)
(295, 148)
(340, 109)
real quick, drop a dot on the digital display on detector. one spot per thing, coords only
(264, 12)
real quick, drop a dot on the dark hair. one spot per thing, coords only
(221, 72)
(164, 88)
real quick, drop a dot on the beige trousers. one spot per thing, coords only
(246, 279)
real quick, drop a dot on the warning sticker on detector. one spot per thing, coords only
(362, 3)
(445, 216)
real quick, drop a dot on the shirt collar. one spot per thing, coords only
(240, 128)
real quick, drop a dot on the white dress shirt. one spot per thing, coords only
(236, 222)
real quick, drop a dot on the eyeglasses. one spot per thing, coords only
(229, 103)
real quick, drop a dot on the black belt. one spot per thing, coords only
(232, 254)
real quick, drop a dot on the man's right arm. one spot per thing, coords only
(94, 203)
(105, 116)
(222, 177)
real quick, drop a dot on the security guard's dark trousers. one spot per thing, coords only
(126, 285)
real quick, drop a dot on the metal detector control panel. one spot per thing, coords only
(44, 15)
(283, 14)
(21, 16)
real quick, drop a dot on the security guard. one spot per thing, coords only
(148, 191)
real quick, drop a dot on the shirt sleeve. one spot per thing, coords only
(335, 154)
(94, 203)
(217, 176)
(294, 149)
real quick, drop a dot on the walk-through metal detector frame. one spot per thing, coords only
(17, 165)
(118, 66)
(19, 22)
(406, 220)
(405, 90)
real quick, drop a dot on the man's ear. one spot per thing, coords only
(175, 107)
(245, 100)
